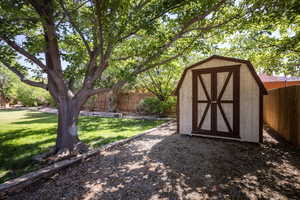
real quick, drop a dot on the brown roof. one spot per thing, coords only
(248, 64)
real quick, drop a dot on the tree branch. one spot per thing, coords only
(104, 61)
(205, 14)
(22, 77)
(122, 58)
(136, 72)
(115, 87)
(151, 20)
(139, 68)
(264, 44)
(97, 90)
(23, 52)
(181, 33)
(76, 28)
(207, 28)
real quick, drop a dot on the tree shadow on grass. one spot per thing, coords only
(23, 133)
(17, 164)
(37, 117)
(91, 123)
(17, 158)
(10, 110)
(115, 124)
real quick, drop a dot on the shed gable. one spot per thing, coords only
(234, 60)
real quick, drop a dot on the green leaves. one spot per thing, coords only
(94, 37)
(161, 81)
(7, 84)
(266, 33)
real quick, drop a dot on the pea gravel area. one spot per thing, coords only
(165, 165)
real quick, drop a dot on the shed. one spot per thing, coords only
(221, 97)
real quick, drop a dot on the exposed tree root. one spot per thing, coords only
(54, 155)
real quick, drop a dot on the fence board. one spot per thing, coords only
(127, 102)
(282, 112)
(2, 101)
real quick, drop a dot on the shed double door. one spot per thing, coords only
(216, 101)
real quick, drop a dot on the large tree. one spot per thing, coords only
(62, 39)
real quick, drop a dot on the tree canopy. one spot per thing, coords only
(75, 49)
(61, 40)
(269, 37)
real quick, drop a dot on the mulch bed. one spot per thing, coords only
(164, 165)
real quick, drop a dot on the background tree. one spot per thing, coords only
(60, 39)
(268, 35)
(161, 81)
(7, 85)
(12, 90)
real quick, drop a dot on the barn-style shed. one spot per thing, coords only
(221, 97)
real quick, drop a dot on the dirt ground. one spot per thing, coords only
(164, 165)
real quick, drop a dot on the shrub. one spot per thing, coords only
(25, 96)
(49, 101)
(14, 91)
(31, 96)
(153, 105)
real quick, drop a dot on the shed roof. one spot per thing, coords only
(248, 64)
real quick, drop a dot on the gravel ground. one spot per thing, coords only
(164, 165)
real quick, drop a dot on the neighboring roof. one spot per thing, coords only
(248, 64)
(293, 78)
(267, 78)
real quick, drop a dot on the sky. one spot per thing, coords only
(23, 61)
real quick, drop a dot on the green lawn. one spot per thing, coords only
(26, 133)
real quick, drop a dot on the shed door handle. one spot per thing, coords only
(214, 102)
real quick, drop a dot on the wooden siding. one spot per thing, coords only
(282, 112)
(249, 101)
(185, 105)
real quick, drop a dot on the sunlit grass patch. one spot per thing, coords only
(26, 133)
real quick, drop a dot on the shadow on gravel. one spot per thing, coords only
(170, 166)
(224, 169)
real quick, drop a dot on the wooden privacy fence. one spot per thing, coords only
(127, 102)
(2, 101)
(282, 112)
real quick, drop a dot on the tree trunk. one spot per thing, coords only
(113, 98)
(113, 102)
(67, 134)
